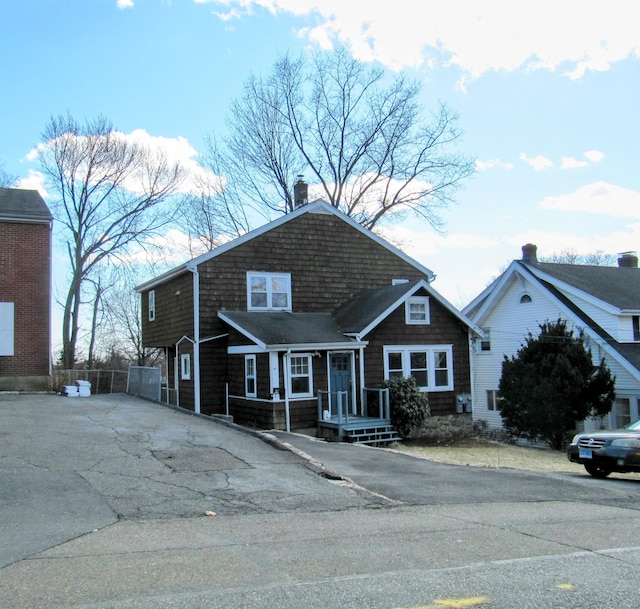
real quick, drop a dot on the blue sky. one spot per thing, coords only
(548, 95)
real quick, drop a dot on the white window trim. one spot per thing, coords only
(486, 340)
(185, 366)
(291, 376)
(250, 359)
(430, 350)
(424, 300)
(268, 276)
(152, 305)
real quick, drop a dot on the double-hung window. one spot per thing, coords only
(430, 365)
(485, 341)
(493, 401)
(250, 376)
(268, 291)
(417, 310)
(300, 375)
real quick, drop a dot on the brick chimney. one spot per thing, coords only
(530, 253)
(628, 260)
(300, 193)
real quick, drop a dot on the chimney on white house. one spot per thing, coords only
(530, 253)
(628, 260)
(300, 193)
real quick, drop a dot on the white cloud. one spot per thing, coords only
(598, 198)
(595, 156)
(491, 164)
(550, 243)
(34, 181)
(591, 156)
(124, 3)
(174, 151)
(538, 162)
(573, 35)
(568, 162)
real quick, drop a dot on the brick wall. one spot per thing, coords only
(25, 280)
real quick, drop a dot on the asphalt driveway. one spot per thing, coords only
(69, 466)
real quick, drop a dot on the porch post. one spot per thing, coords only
(361, 368)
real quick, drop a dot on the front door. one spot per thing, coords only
(340, 378)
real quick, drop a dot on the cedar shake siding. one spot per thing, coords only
(330, 260)
(173, 312)
(326, 270)
(443, 330)
(25, 281)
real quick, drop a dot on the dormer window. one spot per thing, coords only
(635, 320)
(417, 311)
(268, 291)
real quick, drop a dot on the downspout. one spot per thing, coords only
(361, 371)
(196, 336)
(472, 370)
(287, 385)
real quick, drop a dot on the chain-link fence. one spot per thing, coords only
(102, 381)
(145, 382)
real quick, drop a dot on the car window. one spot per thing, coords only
(635, 426)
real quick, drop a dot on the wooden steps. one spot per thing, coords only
(378, 435)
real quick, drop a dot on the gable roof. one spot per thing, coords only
(614, 285)
(285, 330)
(21, 205)
(317, 207)
(367, 309)
(614, 288)
(347, 325)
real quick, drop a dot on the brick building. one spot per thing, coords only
(25, 291)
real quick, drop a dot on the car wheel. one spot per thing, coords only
(596, 470)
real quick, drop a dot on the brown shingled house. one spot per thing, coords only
(25, 291)
(295, 325)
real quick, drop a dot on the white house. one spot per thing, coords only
(602, 301)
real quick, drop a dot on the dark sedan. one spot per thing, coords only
(606, 451)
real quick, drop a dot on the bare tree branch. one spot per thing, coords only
(364, 141)
(111, 193)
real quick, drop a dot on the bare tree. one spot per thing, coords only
(124, 315)
(6, 179)
(597, 258)
(212, 217)
(365, 145)
(110, 195)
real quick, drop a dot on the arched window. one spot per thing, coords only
(525, 298)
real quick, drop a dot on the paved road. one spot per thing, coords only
(103, 502)
(414, 481)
